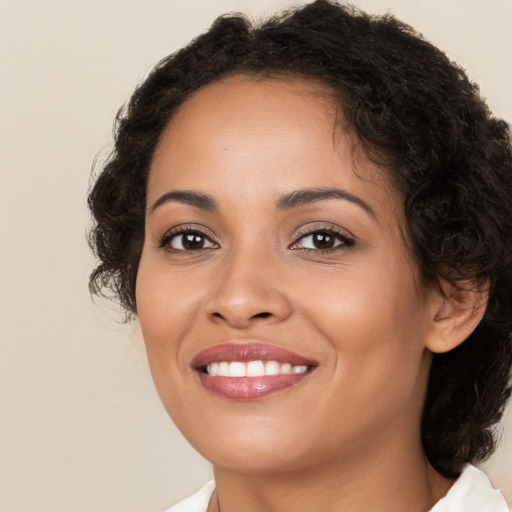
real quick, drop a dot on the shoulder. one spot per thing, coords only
(472, 492)
(197, 502)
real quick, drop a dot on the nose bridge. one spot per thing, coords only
(247, 288)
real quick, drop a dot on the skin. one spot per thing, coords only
(348, 436)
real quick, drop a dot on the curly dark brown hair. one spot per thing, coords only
(416, 113)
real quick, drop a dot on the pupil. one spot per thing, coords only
(192, 241)
(323, 240)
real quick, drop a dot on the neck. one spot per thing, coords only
(397, 480)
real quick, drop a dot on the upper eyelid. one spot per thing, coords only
(188, 228)
(347, 239)
(206, 232)
(308, 230)
(183, 229)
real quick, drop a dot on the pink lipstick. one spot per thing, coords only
(250, 370)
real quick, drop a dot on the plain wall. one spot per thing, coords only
(81, 428)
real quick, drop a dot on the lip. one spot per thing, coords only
(249, 388)
(249, 351)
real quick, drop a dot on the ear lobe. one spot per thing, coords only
(456, 311)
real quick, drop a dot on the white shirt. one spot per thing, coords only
(472, 492)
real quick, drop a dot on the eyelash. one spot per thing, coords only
(342, 240)
(165, 242)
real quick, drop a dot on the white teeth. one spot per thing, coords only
(255, 369)
(252, 368)
(223, 369)
(237, 369)
(286, 368)
(272, 368)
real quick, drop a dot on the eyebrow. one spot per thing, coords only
(312, 195)
(201, 201)
(285, 202)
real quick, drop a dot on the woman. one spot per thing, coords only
(311, 220)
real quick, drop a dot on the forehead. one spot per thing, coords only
(249, 96)
(245, 130)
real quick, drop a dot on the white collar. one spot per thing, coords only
(472, 492)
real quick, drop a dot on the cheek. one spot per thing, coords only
(373, 320)
(164, 313)
(164, 309)
(380, 370)
(369, 298)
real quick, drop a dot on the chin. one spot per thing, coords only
(256, 459)
(249, 445)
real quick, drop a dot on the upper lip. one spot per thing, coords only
(249, 351)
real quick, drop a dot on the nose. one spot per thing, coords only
(247, 291)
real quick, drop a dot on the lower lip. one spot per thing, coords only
(249, 388)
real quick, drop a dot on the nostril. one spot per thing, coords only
(261, 315)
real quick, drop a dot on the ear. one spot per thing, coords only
(455, 313)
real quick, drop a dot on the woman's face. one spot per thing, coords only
(275, 248)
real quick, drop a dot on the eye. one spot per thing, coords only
(322, 240)
(187, 240)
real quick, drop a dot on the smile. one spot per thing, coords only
(250, 370)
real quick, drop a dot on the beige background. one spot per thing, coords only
(81, 428)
